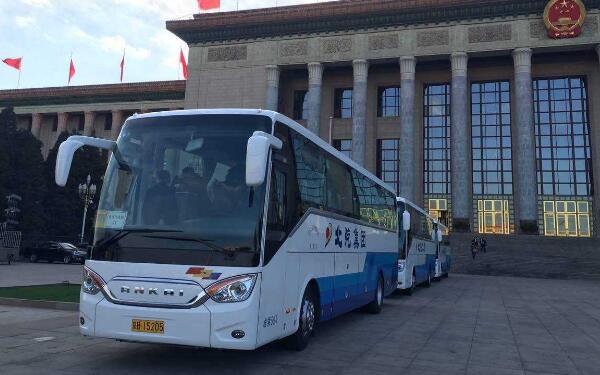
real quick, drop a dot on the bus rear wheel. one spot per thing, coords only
(376, 305)
(428, 283)
(307, 320)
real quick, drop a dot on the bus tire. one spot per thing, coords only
(306, 322)
(428, 282)
(33, 258)
(413, 285)
(376, 305)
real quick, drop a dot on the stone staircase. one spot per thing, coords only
(528, 256)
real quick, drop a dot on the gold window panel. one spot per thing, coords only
(493, 216)
(438, 209)
(567, 218)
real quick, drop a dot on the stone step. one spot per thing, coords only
(528, 256)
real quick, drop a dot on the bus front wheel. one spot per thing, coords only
(307, 320)
(376, 306)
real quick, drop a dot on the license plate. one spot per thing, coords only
(148, 326)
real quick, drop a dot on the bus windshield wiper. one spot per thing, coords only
(229, 250)
(124, 232)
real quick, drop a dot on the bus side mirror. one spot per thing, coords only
(67, 149)
(257, 156)
(406, 221)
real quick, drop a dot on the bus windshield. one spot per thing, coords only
(176, 193)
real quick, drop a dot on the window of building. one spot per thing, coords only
(567, 218)
(438, 209)
(300, 105)
(493, 216)
(108, 121)
(436, 142)
(342, 107)
(388, 159)
(80, 122)
(564, 164)
(54, 123)
(388, 102)
(491, 142)
(344, 146)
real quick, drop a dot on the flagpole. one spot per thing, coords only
(69, 73)
(19, 79)
(179, 63)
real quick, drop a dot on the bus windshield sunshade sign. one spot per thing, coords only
(564, 18)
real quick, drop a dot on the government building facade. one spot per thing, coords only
(485, 112)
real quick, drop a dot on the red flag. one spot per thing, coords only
(71, 70)
(122, 65)
(183, 64)
(209, 4)
(13, 63)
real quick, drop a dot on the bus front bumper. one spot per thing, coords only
(211, 325)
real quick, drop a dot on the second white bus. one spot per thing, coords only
(422, 256)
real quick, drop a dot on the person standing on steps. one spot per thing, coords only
(483, 244)
(474, 246)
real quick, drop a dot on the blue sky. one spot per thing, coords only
(46, 32)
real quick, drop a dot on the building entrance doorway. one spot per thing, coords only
(438, 209)
(493, 216)
(567, 218)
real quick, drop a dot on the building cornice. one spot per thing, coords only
(346, 15)
(124, 92)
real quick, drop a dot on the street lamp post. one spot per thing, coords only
(86, 193)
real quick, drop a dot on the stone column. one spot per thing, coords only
(315, 80)
(272, 99)
(359, 111)
(63, 117)
(117, 122)
(88, 122)
(461, 144)
(407, 127)
(36, 124)
(525, 187)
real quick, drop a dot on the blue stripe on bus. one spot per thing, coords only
(333, 288)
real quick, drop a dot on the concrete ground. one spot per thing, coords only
(463, 325)
(24, 273)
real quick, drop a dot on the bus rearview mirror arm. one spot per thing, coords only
(257, 156)
(67, 149)
(406, 221)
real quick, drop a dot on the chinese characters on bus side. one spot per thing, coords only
(349, 238)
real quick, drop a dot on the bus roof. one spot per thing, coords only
(275, 116)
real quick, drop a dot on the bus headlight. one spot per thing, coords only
(234, 289)
(92, 282)
(401, 266)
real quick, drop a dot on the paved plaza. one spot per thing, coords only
(462, 325)
(24, 273)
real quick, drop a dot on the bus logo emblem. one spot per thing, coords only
(328, 234)
(203, 273)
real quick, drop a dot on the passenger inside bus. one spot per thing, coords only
(160, 205)
(226, 194)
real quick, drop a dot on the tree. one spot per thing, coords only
(64, 202)
(22, 173)
(7, 126)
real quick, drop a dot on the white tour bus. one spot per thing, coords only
(230, 229)
(422, 257)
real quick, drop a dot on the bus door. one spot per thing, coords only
(279, 287)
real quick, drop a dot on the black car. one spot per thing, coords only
(53, 251)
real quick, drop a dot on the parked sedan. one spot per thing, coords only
(53, 251)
